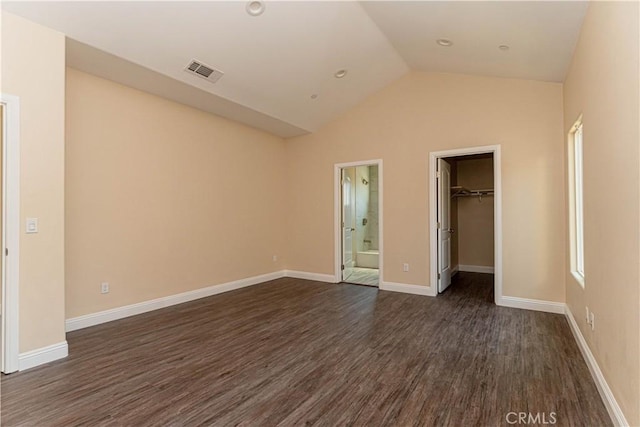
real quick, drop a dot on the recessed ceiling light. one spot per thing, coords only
(314, 96)
(255, 8)
(340, 73)
(503, 47)
(444, 42)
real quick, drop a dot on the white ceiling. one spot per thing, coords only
(273, 63)
(541, 35)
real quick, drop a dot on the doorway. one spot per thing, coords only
(358, 219)
(465, 215)
(10, 224)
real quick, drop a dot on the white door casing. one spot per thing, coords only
(434, 156)
(444, 224)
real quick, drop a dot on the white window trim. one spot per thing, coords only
(576, 198)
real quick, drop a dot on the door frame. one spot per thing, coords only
(337, 216)
(11, 234)
(497, 213)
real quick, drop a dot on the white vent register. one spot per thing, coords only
(203, 71)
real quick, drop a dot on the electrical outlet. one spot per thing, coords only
(275, 258)
(592, 321)
(588, 318)
(104, 288)
(405, 267)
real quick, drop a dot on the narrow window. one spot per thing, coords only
(577, 211)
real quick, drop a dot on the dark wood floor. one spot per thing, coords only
(292, 352)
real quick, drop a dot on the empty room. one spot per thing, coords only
(330, 213)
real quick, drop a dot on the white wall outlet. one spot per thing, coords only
(275, 258)
(592, 321)
(104, 288)
(405, 267)
(32, 225)
(588, 318)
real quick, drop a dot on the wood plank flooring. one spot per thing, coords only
(292, 352)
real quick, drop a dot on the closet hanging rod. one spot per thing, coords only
(458, 191)
(475, 193)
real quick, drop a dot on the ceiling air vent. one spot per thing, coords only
(197, 68)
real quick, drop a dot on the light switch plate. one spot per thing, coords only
(32, 225)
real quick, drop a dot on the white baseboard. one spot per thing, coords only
(603, 388)
(318, 277)
(43, 355)
(93, 319)
(475, 268)
(532, 304)
(454, 270)
(406, 288)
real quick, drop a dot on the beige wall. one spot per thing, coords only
(603, 86)
(475, 216)
(162, 198)
(401, 124)
(33, 69)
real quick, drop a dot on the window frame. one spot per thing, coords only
(576, 190)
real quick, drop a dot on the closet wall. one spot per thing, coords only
(472, 217)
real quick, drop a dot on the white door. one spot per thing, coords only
(444, 224)
(348, 224)
(2, 244)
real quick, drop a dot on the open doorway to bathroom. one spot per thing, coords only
(360, 224)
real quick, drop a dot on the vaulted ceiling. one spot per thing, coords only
(280, 66)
